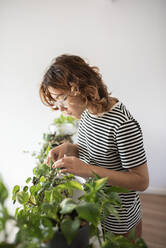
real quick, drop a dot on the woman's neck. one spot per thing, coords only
(111, 102)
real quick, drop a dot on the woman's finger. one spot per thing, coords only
(68, 159)
(53, 155)
(64, 171)
(46, 161)
(58, 164)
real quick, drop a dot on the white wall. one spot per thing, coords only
(125, 38)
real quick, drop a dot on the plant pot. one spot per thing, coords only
(80, 241)
(5, 245)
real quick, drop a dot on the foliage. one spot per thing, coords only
(64, 119)
(119, 241)
(5, 217)
(47, 204)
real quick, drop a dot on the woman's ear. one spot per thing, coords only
(74, 89)
(93, 93)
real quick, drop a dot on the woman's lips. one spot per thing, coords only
(67, 113)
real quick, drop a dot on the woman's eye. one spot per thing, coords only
(65, 98)
(59, 98)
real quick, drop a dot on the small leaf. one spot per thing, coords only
(89, 211)
(67, 206)
(16, 189)
(47, 150)
(140, 243)
(38, 187)
(22, 197)
(110, 209)
(42, 179)
(34, 170)
(48, 194)
(16, 212)
(47, 230)
(132, 235)
(33, 189)
(25, 189)
(100, 183)
(28, 179)
(3, 192)
(75, 185)
(61, 186)
(70, 228)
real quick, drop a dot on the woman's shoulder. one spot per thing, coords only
(119, 112)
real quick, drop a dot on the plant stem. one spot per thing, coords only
(32, 203)
(98, 236)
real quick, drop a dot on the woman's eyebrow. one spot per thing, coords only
(57, 95)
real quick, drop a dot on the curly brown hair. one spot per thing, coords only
(73, 74)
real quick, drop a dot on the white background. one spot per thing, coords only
(124, 38)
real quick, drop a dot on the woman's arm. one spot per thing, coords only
(134, 179)
(58, 152)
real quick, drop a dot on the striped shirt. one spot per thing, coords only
(114, 141)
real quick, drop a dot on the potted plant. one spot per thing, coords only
(5, 218)
(50, 217)
(48, 211)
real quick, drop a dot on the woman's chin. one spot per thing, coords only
(72, 114)
(67, 114)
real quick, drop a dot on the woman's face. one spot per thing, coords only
(69, 105)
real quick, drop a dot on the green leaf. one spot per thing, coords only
(34, 171)
(140, 243)
(89, 211)
(71, 120)
(16, 212)
(22, 197)
(116, 241)
(5, 245)
(132, 235)
(75, 185)
(3, 192)
(47, 228)
(33, 189)
(2, 224)
(47, 151)
(4, 213)
(28, 179)
(64, 119)
(70, 228)
(50, 211)
(67, 206)
(51, 164)
(47, 195)
(108, 209)
(61, 186)
(25, 189)
(38, 187)
(16, 189)
(42, 179)
(100, 183)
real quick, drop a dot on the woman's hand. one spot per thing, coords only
(59, 151)
(71, 164)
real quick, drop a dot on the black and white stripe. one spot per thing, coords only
(114, 141)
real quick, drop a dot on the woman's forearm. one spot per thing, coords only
(134, 179)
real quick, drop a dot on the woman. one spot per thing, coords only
(109, 138)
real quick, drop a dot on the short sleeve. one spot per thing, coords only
(129, 141)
